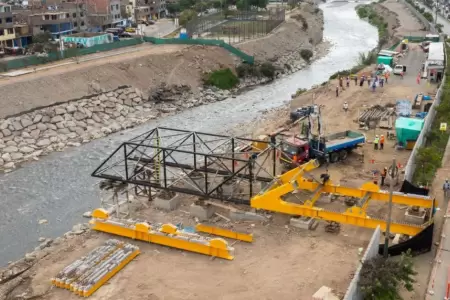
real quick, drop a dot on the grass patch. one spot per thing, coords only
(429, 156)
(266, 69)
(369, 12)
(223, 79)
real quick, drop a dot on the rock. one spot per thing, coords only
(4, 125)
(60, 125)
(17, 125)
(6, 132)
(35, 133)
(30, 141)
(71, 135)
(26, 149)
(57, 119)
(46, 243)
(96, 118)
(87, 214)
(79, 131)
(10, 149)
(30, 257)
(81, 124)
(53, 139)
(137, 99)
(103, 97)
(26, 135)
(60, 110)
(43, 143)
(2, 162)
(41, 126)
(6, 157)
(42, 221)
(80, 227)
(63, 130)
(70, 124)
(51, 126)
(16, 155)
(11, 143)
(41, 239)
(26, 122)
(110, 104)
(71, 108)
(9, 165)
(128, 102)
(79, 116)
(37, 118)
(36, 153)
(49, 132)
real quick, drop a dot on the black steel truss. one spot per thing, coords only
(194, 163)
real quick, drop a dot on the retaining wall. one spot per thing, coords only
(353, 291)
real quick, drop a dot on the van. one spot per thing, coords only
(398, 69)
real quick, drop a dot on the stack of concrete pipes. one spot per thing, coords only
(86, 275)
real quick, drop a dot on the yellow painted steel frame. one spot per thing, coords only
(293, 180)
(224, 232)
(109, 275)
(166, 236)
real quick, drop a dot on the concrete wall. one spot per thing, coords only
(421, 18)
(353, 291)
(411, 164)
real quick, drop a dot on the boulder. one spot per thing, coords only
(71, 108)
(6, 157)
(57, 119)
(10, 149)
(16, 155)
(26, 122)
(26, 149)
(37, 118)
(35, 133)
(17, 126)
(43, 143)
(6, 132)
(60, 110)
(79, 116)
(41, 126)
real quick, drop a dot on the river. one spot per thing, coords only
(59, 188)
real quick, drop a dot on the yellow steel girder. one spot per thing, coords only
(224, 232)
(353, 216)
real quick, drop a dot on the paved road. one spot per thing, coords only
(160, 29)
(59, 187)
(440, 19)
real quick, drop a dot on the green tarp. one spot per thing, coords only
(408, 129)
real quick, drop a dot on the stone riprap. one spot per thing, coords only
(28, 136)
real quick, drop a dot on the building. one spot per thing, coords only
(435, 61)
(145, 9)
(105, 14)
(7, 33)
(57, 23)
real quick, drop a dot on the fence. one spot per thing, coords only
(235, 27)
(34, 60)
(353, 291)
(421, 140)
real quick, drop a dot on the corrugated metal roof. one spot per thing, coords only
(436, 51)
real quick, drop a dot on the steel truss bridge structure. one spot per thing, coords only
(202, 164)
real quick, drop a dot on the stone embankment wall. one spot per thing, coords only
(30, 135)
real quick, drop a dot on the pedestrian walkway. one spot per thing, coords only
(437, 287)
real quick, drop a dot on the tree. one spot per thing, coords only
(186, 4)
(186, 16)
(381, 278)
(217, 4)
(173, 8)
(243, 5)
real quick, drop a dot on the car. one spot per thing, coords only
(398, 69)
(130, 29)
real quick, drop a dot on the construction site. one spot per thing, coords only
(200, 215)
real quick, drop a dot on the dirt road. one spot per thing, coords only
(409, 25)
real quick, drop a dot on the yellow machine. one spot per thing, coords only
(271, 199)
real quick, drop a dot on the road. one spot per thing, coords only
(59, 187)
(161, 28)
(440, 19)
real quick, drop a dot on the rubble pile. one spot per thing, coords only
(36, 133)
(371, 117)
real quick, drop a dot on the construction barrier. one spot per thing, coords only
(86, 275)
(165, 234)
(224, 232)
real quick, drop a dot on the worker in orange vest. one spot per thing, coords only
(381, 142)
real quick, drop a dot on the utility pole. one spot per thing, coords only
(388, 225)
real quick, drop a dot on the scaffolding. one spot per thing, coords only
(206, 165)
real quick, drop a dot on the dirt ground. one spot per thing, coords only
(409, 25)
(282, 262)
(150, 66)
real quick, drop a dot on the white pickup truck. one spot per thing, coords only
(398, 69)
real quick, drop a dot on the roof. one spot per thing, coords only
(436, 51)
(409, 123)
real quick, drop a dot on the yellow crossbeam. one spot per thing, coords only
(353, 216)
(224, 232)
(376, 193)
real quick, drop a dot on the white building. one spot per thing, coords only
(435, 61)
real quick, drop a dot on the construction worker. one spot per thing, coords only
(386, 76)
(446, 188)
(356, 79)
(337, 91)
(345, 106)
(383, 175)
(381, 142)
(348, 81)
(375, 142)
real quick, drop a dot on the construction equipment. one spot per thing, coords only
(86, 275)
(162, 234)
(271, 199)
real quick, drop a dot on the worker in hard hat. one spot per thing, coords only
(446, 189)
(381, 142)
(375, 142)
(345, 106)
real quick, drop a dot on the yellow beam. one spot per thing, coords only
(224, 232)
(353, 216)
(376, 193)
(166, 236)
(316, 195)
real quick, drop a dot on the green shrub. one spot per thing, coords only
(428, 16)
(224, 79)
(306, 54)
(267, 69)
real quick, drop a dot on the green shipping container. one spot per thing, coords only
(385, 60)
(408, 129)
